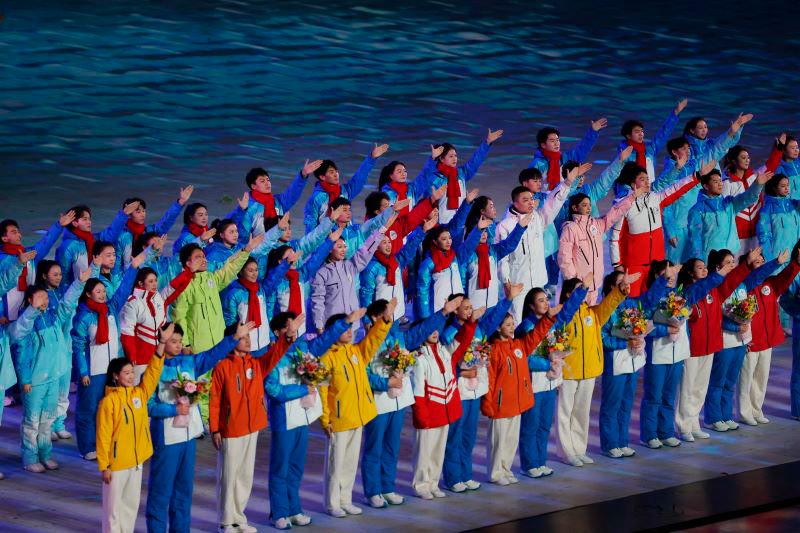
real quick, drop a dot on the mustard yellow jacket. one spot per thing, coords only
(347, 402)
(586, 358)
(123, 427)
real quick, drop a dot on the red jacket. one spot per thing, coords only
(747, 218)
(766, 325)
(437, 401)
(510, 391)
(705, 322)
(236, 405)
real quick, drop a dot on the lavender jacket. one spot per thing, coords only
(335, 287)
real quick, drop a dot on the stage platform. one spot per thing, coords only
(69, 500)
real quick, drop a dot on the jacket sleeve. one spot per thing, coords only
(494, 316)
(377, 383)
(314, 262)
(537, 363)
(478, 157)
(663, 133)
(372, 340)
(112, 233)
(616, 213)
(123, 291)
(417, 215)
(600, 187)
(608, 305)
(104, 432)
(510, 243)
(534, 337)
(760, 275)
(375, 223)
(467, 248)
(611, 342)
(273, 355)
(553, 203)
(313, 208)
(215, 397)
(151, 375)
(461, 342)
(424, 299)
(313, 240)
(230, 307)
(774, 159)
(274, 277)
(176, 286)
(735, 278)
(456, 224)
(46, 243)
(225, 275)
(652, 296)
(322, 343)
(571, 306)
(325, 417)
(781, 281)
(581, 151)
(283, 393)
(318, 299)
(618, 233)
(205, 361)
(417, 334)
(292, 194)
(168, 220)
(180, 315)
(69, 303)
(364, 254)
(672, 193)
(80, 340)
(10, 270)
(359, 179)
(750, 196)
(503, 270)
(421, 185)
(409, 250)
(700, 288)
(24, 361)
(23, 325)
(566, 252)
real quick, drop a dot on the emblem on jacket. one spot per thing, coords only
(709, 299)
(249, 373)
(588, 320)
(741, 294)
(765, 290)
(211, 283)
(137, 403)
(354, 358)
(518, 353)
(593, 230)
(393, 235)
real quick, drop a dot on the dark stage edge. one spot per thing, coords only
(674, 508)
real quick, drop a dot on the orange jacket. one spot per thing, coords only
(510, 391)
(236, 405)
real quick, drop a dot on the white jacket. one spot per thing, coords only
(667, 352)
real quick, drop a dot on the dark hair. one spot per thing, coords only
(611, 280)
(789, 138)
(377, 308)
(372, 202)
(338, 202)
(43, 269)
(516, 191)
(250, 259)
(5, 224)
(115, 366)
(80, 209)
(568, 286)
(542, 134)
(656, 267)
(253, 174)
(567, 167)
(333, 319)
(141, 242)
(716, 258)
(88, 288)
(474, 214)
(675, 144)
(446, 147)
(187, 251)
(275, 256)
(705, 178)
(142, 274)
(99, 246)
(692, 124)
(281, 320)
(323, 168)
(685, 276)
(771, 188)
(532, 173)
(495, 335)
(457, 295)
(627, 127)
(729, 161)
(129, 201)
(221, 225)
(386, 173)
(190, 210)
(176, 329)
(574, 200)
(530, 297)
(30, 291)
(629, 172)
(433, 235)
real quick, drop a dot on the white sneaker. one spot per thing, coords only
(748, 421)
(235, 529)
(91, 456)
(512, 479)
(573, 460)
(762, 420)
(437, 493)
(672, 442)
(459, 487)
(687, 437)
(627, 451)
(425, 494)
(614, 453)
(338, 512)
(585, 459)
(377, 502)
(300, 519)
(653, 444)
(393, 498)
(533, 472)
(63, 434)
(502, 482)
(731, 425)
(51, 464)
(280, 523)
(720, 426)
(472, 484)
(36, 468)
(546, 470)
(700, 434)
(247, 528)
(351, 509)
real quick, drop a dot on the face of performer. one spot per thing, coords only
(489, 211)
(98, 293)
(743, 160)
(230, 236)
(533, 184)
(244, 344)
(714, 185)
(701, 130)
(339, 250)
(642, 181)
(464, 311)
(385, 247)
(541, 304)
(250, 272)
(759, 261)
(13, 235)
(484, 237)
(346, 214)
(288, 251)
(53, 278)
(637, 134)
(400, 174)
(700, 271)
(197, 261)
(107, 258)
(331, 176)
(682, 152)
(444, 241)
(200, 217)
(433, 338)
(783, 188)
(729, 261)
(138, 215)
(672, 280)
(84, 223)
(450, 158)
(792, 151)
(150, 283)
(553, 143)
(583, 208)
(262, 185)
(524, 203)
(346, 337)
(174, 345)
(287, 233)
(384, 205)
(507, 327)
(125, 377)
(46, 299)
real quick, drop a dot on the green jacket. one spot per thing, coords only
(198, 310)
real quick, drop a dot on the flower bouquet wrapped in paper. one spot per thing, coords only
(312, 372)
(477, 356)
(555, 346)
(672, 310)
(399, 361)
(741, 311)
(631, 324)
(187, 391)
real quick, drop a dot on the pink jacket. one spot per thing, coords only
(580, 248)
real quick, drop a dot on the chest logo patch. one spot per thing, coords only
(765, 290)
(588, 321)
(593, 230)
(709, 299)
(249, 373)
(393, 235)
(137, 403)
(354, 358)
(211, 283)
(518, 353)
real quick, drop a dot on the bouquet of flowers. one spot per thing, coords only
(477, 356)
(741, 311)
(631, 324)
(672, 310)
(312, 372)
(399, 361)
(187, 391)
(555, 346)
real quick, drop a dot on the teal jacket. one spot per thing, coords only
(712, 221)
(778, 226)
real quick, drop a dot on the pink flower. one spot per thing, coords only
(190, 387)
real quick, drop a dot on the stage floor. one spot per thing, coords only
(69, 499)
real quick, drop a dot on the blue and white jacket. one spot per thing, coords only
(778, 226)
(579, 153)
(124, 244)
(252, 223)
(465, 173)
(72, 254)
(712, 221)
(653, 146)
(497, 251)
(418, 189)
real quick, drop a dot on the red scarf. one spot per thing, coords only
(391, 265)
(295, 295)
(253, 305)
(15, 250)
(435, 351)
(196, 229)
(484, 270)
(135, 229)
(101, 337)
(86, 237)
(148, 299)
(453, 187)
(743, 179)
(334, 191)
(441, 260)
(267, 200)
(402, 193)
(641, 153)
(553, 167)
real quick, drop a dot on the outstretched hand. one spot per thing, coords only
(67, 218)
(492, 136)
(378, 151)
(185, 194)
(451, 305)
(599, 124)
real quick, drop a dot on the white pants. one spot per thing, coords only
(341, 465)
(429, 458)
(236, 461)
(503, 441)
(121, 500)
(753, 383)
(572, 427)
(694, 385)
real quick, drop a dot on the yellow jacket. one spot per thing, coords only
(347, 402)
(586, 358)
(123, 427)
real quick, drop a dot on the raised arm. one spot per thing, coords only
(581, 151)
(45, 244)
(322, 343)
(123, 291)
(700, 288)
(750, 196)
(356, 183)
(467, 248)
(293, 192)
(205, 361)
(112, 232)
(534, 337)
(168, 219)
(364, 254)
(478, 157)
(608, 305)
(616, 213)
(416, 335)
(652, 296)
(664, 133)
(230, 269)
(373, 340)
(760, 275)
(409, 250)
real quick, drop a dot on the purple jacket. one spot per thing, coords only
(335, 287)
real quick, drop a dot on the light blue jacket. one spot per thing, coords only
(20, 328)
(278, 299)
(375, 271)
(186, 236)
(72, 254)
(466, 172)
(253, 220)
(564, 317)
(791, 169)
(355, 235)
(579, 153)
(487, 324)
(712, 221)
(418, 189)
(657, 143)
(217, 252)
(778, 226)
(124, 244)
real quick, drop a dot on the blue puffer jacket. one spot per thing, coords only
(712, 221)
(778, 226)
(252, 223)
(124, 244)
(373, 278)
(563, 317)
(579, 153)
(18, 329)
(418, 189)
(217, 252)
(465, 173)
(655, 145)
(72, 254)
(791, 169)
(317, 203)
(355, 235)
(186, 236)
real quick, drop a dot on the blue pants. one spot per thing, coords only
(719, 398)
(461, 436)
(86, 412)
(39, 407)
(657, 414)
(794, 383)
(63, 402)
(170, 486)
(381, 450)
(615, 407)
(553, 270)
(287, 462)
(535, 430)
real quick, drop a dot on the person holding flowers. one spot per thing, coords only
(237, 413)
